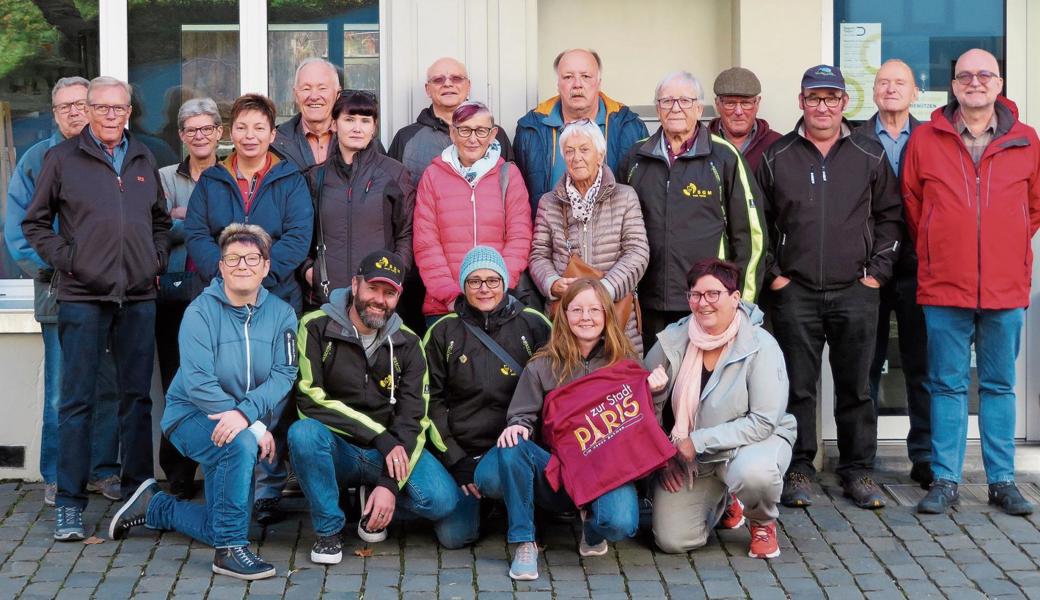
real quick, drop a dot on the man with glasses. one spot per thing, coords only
(832, 203)
(971, 189)
(103, 188)
(699, 201)
(578, 79)
(737, 100)
(308, 137)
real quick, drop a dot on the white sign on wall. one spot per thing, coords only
(860, 50)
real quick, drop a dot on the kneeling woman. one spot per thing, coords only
(585, 337)
(720, 386)
(237, 364)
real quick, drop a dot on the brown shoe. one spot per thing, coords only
(864, 492)
(797, 490)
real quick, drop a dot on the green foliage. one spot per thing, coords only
(24, 34)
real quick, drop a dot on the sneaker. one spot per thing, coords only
(941, 496)
(110, 487)
(864, 492)
(763, 540)
(797, 490)
(68, 526)
(240, 562)
(292, 486)
(1009, 499)
(266, 511)
(327, 550)
(50, 492)
(132, 514)
(183, 489)
(921, 472)
(525, 562)
(584, 548)
(734, 515)
(372, 537)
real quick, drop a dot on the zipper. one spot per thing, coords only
(249, 353)
(122, 234)
(350, 225)
(473, 202)
(978, 231)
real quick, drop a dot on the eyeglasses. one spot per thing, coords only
(492, 283)
(733, 104)
(480, 132)
(577, 312)
(233, 260)
(828, 101)
(712, 296)
(684, 102)
(205, 130)
(440, 80)
(66, 107)
(965, 78)
(104, 109)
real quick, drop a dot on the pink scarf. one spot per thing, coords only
(686, 396)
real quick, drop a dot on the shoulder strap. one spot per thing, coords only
(319, 232)
(494, 347)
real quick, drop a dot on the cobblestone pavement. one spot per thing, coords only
(831, 550)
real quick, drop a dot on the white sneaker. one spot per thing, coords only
(372, 537)
(584, 548)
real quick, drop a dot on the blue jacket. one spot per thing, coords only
(537, 132)
(281, 205)
(232, 357)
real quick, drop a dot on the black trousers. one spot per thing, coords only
(900, 296)
(846, 319)
(179, 469)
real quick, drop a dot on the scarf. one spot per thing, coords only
(474, 172)
(686, 396)
(582, 207)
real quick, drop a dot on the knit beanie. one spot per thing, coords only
(483, 257)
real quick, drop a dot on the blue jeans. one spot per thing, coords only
(104, 448)
(613, 516)
(224, 520)
(86, 330)
(325, 463)
(997, 336)
(462, 526)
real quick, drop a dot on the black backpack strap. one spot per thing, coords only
(319, 233)
(494, 347)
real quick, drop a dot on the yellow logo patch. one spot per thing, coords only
(384, 263)
(505, 370)
(693, 191)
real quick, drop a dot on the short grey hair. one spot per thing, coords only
(317, 60)
(197, 107)
(106, 81)
(683, 76)
(65, 82)
(586, 128)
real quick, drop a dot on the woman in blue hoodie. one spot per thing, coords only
(238, 362)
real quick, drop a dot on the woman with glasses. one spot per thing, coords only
(363, 200)
(720, 386)
(468, 196)
(472, 381)
(199, 128)
(237, 364)
(590, 220)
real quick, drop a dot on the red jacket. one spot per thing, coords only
(451, 218)
(972, 226)
(603, 432)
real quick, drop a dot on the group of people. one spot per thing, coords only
(461, 317)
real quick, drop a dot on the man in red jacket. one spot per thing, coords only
(971, 188)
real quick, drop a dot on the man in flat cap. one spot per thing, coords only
(737, 97)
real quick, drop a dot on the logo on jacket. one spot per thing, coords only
(692, 191)
(617, 411)
(505, 370)
(140, 178)
(384, 263)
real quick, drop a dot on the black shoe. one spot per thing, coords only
(797, 490)
(864, 492)
(1009, 499)
(292, 486)
(266, 511)
(241, 563)
(183, 489)
(941, 496)
(921, 472)
(327, 550)
(132, 513)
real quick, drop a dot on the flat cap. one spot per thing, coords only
(737, 81)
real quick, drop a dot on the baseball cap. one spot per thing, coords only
(737, 81)
(823, 76)
(384, 266)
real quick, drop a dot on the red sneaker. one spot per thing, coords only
(734, 515)
(763, 540)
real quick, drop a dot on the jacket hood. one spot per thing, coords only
(675, 338)
(506, 310)
(428, 118)
(337, 310)
(545, 108)
(606, 186)
(216, 289)
(701, 146)
(1006, 110)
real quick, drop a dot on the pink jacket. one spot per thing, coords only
(451, 218)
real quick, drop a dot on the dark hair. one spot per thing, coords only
(257, 102)
(559, 57)
(467, 110)
(726, 272)
(356, 102)
(253, 235)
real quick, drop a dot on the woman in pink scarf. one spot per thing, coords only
(720, 388)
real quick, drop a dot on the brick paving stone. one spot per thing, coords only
(343, 583)
(723, 589)
(195, 585)
(46, 589)
(766, 593)
(1015, 561)
(842, 592)
(419, 583)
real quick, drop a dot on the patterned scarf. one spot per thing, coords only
(474, 172)
(582, 207)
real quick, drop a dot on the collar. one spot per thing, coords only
(961, 126)
(879, 126)
(555, 116)
(308, 131)
(122, 145)
(233, 166)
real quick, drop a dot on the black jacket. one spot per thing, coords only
(706, 204)
(355, 394)
(470, 387)
(831, 220)
(113, 234)
(290, 144)
(358, 208)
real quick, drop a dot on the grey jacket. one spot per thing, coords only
(745, 400)
(178, 185)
